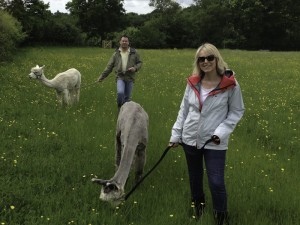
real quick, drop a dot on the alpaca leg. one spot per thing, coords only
(140, 161)
(77, 92)
(72, 96)
(118, 146)
(77, 88)
(59, 97)
(66, 97)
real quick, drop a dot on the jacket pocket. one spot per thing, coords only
(190, 126)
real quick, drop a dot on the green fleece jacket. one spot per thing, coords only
(116, 62)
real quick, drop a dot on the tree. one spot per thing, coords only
(211, 21)
(3, 4)
(163, 5)
(62, 29)
(151, 36)
(17, 9)
(191, 35)
(33, 15)
(135, 20)
(172, 25)
(281, 24)
(98, 17)
(264, 24)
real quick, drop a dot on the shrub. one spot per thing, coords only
(10, 35)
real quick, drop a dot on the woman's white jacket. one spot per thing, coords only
(219, 114)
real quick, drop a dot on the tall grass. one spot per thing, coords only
(49, 154)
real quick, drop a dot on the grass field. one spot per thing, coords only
(48, 154)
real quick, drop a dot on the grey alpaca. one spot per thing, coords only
(131, 142)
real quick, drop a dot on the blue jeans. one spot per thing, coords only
(124, 89)
(215, 167)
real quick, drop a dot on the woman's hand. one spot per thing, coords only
(216, 139)
(173, 145)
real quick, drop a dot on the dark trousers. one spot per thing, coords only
(215, 166)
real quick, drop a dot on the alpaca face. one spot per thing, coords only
(111, 193)
(36, 72)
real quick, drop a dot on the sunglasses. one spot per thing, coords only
(209, 58)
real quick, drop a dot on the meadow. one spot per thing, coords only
(49, 154)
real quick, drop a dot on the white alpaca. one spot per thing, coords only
(66, 84)
(131, 141)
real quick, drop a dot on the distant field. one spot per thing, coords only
(48, 155)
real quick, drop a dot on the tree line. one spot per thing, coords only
(239, 24)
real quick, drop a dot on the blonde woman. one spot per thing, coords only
(211, 107)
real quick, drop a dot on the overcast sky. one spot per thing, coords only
(137, 6)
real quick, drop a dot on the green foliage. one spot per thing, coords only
(33, 15)
(151, 36)
(216, 14)
(62, 29)
(236, 24)
(147, 36)
(266, 24)
(10, 35)
(164, 5)
(133, 34)
(48, 155)
(252, 24)
(135, 20)
(97, 17)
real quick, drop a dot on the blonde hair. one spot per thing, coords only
(210, 50)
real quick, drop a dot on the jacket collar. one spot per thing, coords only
(226, 83)
(130, 50)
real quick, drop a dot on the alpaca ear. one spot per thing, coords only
(37, 66)
(43, 66)
(100, 181)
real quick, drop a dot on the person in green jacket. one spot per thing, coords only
(126, 62)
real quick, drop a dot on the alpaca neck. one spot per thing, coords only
(46, 82)
(123, 171)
